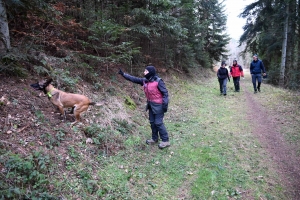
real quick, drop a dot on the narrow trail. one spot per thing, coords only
(260, 144)
(266, 128)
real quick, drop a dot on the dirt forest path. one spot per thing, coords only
(267, 128)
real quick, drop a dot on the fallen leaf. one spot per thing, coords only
(89, 140)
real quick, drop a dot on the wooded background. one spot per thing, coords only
(178, 34)
(272, 31)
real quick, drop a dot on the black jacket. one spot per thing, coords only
(222, 73)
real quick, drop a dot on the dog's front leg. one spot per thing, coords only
(65, 115)
(62, 112)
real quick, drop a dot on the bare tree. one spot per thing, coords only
(4, 30)
(284, 46)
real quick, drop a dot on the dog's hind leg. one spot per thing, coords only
(78, 110)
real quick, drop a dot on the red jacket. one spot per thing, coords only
(236, 71)
(152, 92)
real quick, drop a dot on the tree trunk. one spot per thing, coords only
(4, 30)
(289, 79)
(298, 42)
(284, 44)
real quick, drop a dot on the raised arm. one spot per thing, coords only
(132, 78)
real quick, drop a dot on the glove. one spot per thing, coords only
(165, 107)
(121, 72)
(147, 107)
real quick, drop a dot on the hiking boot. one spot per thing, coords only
(225, 94)
(255, 91)
(258, 89)
(164, 145)
(151, 142)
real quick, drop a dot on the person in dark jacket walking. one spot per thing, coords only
(157, 103)
(256, 67)
(236, 71)
(223, 75)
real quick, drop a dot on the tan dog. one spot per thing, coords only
(79, 103)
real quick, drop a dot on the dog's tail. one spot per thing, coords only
(101, 103)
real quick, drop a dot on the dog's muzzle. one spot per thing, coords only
(36, 86)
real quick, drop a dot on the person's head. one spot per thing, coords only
(149, 72)
(223, 64)
(234, 62)
(255, 57)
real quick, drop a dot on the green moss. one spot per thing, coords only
(130, 103)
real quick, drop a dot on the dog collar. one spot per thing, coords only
(49, 93)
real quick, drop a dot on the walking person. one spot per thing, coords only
(157, 103)
(236, 71)
(256, 68)
(223, 75)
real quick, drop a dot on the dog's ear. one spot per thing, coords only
(48, 81)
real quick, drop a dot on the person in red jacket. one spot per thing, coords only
(157, 103)
(236, 71)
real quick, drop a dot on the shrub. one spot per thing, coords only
(24, 178)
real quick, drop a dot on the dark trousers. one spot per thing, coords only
(256, 77)
(157, 126)
(236, 82)
(223, 85)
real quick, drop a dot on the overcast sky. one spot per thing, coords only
(234, 23)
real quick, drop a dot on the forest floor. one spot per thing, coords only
(239, 146)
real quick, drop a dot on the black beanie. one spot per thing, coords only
(235, 62)
(152, 72)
